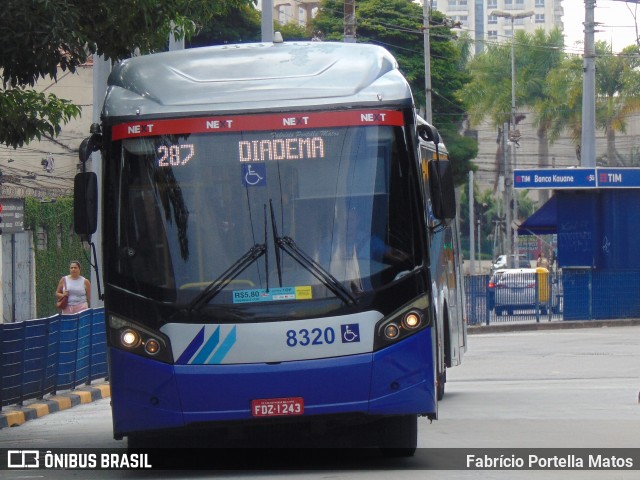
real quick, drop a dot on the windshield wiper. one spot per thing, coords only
(274, 227)
(226, 277)
(332, 283)
(289, 246)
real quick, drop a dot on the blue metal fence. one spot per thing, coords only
(575, 294)
(478, 305)
(43, 356)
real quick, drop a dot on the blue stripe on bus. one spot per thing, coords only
(192, 347)
(227, 343)
(208, 347)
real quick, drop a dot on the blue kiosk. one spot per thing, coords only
(595, 213)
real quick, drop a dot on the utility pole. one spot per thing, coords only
(267, 21)
(472, 253)
(508, 186)
(514, 134)
(349, 21)
(588, 140)
(426, 18)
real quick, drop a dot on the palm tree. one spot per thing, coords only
(617, 97)
(489, 92)
(541, 53)
(614, 101)
(562, 103)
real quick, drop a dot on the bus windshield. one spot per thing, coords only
(262, 216)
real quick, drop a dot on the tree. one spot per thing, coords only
(563, 100)
(39, 38)
(242, 24)
(617, 97)
(397, 26)
(488, 94)
(616, 94)
(542, 52)
(486, 212)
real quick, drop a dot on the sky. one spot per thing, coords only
(617, 22)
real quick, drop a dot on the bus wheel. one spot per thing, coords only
(398, 436)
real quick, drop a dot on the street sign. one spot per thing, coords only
(618, 177)
(555, 178)
(11, 215)
(577, 178)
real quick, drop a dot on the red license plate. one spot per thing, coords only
(276, 407)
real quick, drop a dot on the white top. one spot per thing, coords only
(77, 292)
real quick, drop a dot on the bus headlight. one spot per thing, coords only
(391, 331)
(412, 320)
(406, 321)
(141, 340)
(152, 346)
(129, 338)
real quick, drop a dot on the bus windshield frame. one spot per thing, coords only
(248, 210)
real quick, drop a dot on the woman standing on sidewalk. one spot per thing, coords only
(76, 288)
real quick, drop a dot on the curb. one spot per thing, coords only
(13, 416)
(546, 325)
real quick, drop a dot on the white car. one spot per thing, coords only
(515, 289)
(501, 262)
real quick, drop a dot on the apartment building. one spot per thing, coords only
(475, 16)
(296, 11)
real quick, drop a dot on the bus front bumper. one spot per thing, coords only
(148, 395)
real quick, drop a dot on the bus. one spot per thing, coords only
(279, 244)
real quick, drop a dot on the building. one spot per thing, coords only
(475, 17)
(296, 11)
(45, 168)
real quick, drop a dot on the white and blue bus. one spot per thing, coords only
(279, 241)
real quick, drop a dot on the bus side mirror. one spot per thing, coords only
(443, 197)
(89, 145)
(428, 133)
(85, 203)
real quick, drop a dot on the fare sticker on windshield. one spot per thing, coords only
(273, 295)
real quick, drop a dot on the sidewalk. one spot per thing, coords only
(12, 416)
(545, 324)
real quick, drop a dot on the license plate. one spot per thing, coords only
(277, 407)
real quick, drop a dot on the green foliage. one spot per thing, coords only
(39, 38)
(397, 26)
(27, 114)
(61, 247)
(488, 209)
(292, 32)
(461, 150)
(242, 24)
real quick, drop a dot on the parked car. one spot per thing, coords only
(514, 289)
(501, 262)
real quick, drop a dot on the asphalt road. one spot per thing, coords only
(544, 389)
